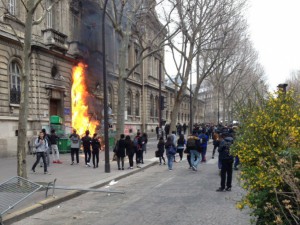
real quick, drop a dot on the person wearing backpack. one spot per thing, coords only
(75, 145)
(137, 141)
(130, 150)
(171, 151)
(180, 145)
(193, 146)
(226, 160)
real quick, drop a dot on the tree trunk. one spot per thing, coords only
(25, 77)
(123, 57)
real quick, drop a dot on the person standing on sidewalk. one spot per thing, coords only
(96, 147)
(180, 145)
(216, 142)
(75, 145)
(193, 146)
(138, 149)
(171, 151)
(130, 150)
(203, 140)
(226, 160)
(161, 150)
(121, 151)
(55, 152)
(86, 143)
(47, 153)
(144, 145)
(41, 145)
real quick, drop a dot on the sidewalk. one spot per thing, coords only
(66, 175)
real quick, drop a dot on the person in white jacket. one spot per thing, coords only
(41, 145)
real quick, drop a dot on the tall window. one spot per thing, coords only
(167, 114)
(136, 59)
(149, 66)
(129, 103)
(137, 104)
(49, 16)
(12, 7)
(110, 97)
(156, 106)
(15, 88)
(152, 106)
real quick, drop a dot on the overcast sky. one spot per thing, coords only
(275, 32)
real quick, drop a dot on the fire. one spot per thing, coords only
(81, 120)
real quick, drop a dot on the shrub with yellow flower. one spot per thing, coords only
(268, 145)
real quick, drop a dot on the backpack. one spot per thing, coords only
(172, 150)
(226, 149)
(191, 143)
(136, 142)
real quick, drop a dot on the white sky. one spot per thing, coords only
(275, 32)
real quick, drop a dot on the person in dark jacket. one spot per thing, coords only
(157, 132)
(161, 150)
(121, 151)
(75, 145)
(47, 153)
(96, 147)
(180, 145)
(226, 162)
(144, 146)
(130, 150)
(86, 143)
(53, 143)
(138, 149)
(168, 145)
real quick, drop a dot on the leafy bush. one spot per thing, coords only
(268, 145)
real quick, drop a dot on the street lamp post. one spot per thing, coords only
(107, 165)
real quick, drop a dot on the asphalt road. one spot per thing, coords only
(154, 196)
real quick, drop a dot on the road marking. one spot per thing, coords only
(165, 181)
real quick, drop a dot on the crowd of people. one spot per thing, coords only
(193, 146)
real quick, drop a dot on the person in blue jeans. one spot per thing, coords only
(194, 148)
(203, 139)
(168, 145)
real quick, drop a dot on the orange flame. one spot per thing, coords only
(81, 121)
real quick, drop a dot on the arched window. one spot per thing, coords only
(15, 87)
(137, 104)
(182, 117)
(129, 103)
(156, 106)
(110, 97)
(151, 106)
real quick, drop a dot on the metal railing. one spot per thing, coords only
(13, 191)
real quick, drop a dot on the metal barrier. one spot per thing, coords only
(53, 186)
(17, 189)
(13, 191)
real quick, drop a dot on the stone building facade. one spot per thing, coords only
(69, 34)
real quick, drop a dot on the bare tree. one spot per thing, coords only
(130, 22)
(30, 9)
(294, 81)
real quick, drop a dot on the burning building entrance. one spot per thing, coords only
(83, 118)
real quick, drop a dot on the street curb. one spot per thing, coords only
(50, 201)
